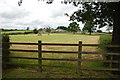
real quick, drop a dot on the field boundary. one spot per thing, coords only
(79, 53)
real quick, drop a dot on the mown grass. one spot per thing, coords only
(55, 37)
(27, 71)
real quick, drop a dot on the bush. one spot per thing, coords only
(5, 47)
(99, 31)
(35, 31)
(105, 40)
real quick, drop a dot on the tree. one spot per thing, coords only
(35, 31)
(62, 27)
(27, 28)
(40, 32)
(48, 30)
(73, 27)
(101, 14)
(88, 26)
(99, 31)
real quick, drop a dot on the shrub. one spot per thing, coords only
(35, 31)
(99, 31)
(105, 40)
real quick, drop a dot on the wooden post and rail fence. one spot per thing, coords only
(79, 59)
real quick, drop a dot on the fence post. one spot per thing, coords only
(111, 58)
(40, 55)
(79, 56)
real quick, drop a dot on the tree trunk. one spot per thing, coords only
(90, 31)
(116, 35)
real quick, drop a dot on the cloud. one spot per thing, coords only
(14, 14)
(33, 13)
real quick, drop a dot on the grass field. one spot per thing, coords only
(31, 72)
(20, 31)
(55, 37)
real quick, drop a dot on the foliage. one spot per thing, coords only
(99, 31)
(105, 40)
(48, 30)
(27, 28)
(62, 27)
(93, 14)
(35, 31)
(40, 32)
(88, 26)
(73, 27)
(96, 13)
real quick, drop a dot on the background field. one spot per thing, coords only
(55, 37)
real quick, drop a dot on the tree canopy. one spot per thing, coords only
(73, 27)
(88, 26)
(62, 27)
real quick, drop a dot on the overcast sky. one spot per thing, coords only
(34, 14)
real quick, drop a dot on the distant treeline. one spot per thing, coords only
(11, 29)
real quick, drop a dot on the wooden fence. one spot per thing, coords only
(79, 53)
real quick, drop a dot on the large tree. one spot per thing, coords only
(101, 14)
(73, 27)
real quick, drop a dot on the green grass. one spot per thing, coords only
(55, 37)
(20, 31)
(31, 72)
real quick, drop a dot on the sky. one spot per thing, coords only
(35, 14)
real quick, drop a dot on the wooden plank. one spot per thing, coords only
(40, 55)
(101, 53)
(79, 56)
(23, 50)
(113, 61)
(74, 52)
(59, 44)
(101, 69)
(21, 57)
(20, 43)
(59, 59)
(62, 44)
(112, 46)
(90, 44)
(21, 64)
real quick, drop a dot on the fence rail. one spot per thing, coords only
(79, 52)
